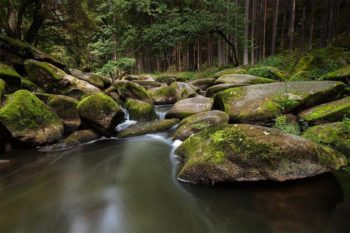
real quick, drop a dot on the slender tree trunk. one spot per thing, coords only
(312, 22)
(291, 26)
(198, 55)
(252, 50)
(264, 31)
(303, 21)
(246, 33)
(274, 28)
(114, 41)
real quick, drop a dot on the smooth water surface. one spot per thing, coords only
(130, 186)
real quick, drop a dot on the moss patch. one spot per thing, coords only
(140, 110)
(230, 71)
(10, 76)
(268, 72)
(342, 74)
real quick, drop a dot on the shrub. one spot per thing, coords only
(286, 125)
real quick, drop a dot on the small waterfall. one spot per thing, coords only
(127, 121)
(161, 110)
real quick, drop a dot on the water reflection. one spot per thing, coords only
(129, 186)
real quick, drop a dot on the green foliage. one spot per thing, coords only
(284, 124)
(346, 124)
(118, 67)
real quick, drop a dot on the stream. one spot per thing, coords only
(130, 186)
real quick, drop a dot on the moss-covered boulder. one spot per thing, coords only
(253, 153)
(184, 90)
(342, 75)
(148, 128)
(148, 84)
(2, 89)
(169, 79)
(329, 112)
(55, 81)
(203, 83)
(28, 85)
(191, 106)
(140, 111)
(29, 120)
(66, 109)
(230, 71)
(93, 79)
(263, 102)
(101, 112)
(195, 123)
(211, 91)
(126, 89)
(163, 95)
(242, 80)
(335, 135)
(301, 76)
(74, 140)
(11, 77)
(268, 72)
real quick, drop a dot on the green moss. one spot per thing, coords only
(342, 74)
(268, 72)
(32, 67)
(140, 110)
(2, 88)
(10, 76)
(285, 125)
(222, 98)
(30, 86)
(24, 111)
(230, 71)
(301, 76)
(93, 104)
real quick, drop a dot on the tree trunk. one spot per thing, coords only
(246, 33)
(252, 50)
(274, 28)
(264, 31)
(312, 22)
(303, 21)
(291, 26)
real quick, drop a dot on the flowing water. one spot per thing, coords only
(130, 186)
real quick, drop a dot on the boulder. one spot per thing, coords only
(335, 135)
(140, 111)
(233, 153)
(66, 109)
(11, 77)
(29, 120)
(169, 79)
(28, 85)
(147, 84)
(242, 80)
(163, 95)
(230, 71)
(268, 72)
(195, 123)
(147, 128)
(203, 83)
(211, 91)
(187, 107)
(101, 112)
(126, 89)
(329, 112)
(74, 140)
(184, 90)
(55, 81)
(263, 102)
(342, 75)
(93, 79)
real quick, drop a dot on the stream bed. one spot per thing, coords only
(130, 186)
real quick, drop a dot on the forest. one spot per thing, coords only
(147, 116)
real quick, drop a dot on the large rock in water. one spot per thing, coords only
(11, 77)
(329, 112)
(163, 95)
(55, 81)
(187, 107)
(101, 112)
(195, 123)
(335, 135)
(140, 111)
(253, 153)
(29, 120)
(261, 103)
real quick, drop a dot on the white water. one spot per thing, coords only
(161, 110)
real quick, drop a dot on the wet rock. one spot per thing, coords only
(187, 107)
(335, 135)
(195, 123)
(262, 103)
(242, 80)
(163, 95)
(101, 112)
(148, 128)
(140, 111)
(129, 90)
(11, 78)
(329, 112)
(29, 120)
(253, 153)
(55, 81)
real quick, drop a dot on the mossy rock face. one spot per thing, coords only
(329, 112)
(184, 90)
(335, 135)
(147, 84)
(129, 90)
(66, 109)
(30, 86)
(268, 72)
(144, 77)
(301, 76)
(253, 153)
(29, 120)
(140, 111)
(2, 89)
(55, 81)
(230, 71)
(195, 123)
(148, 128)
(262, 103)
(203, 83)
(242, 80)
(101, 112)
(169, 79)
(211, 91)
(93, 79)
(14, 52)
(11, 77)
(187, 107)
(163, 95)
(342, 75)
(74, 140)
